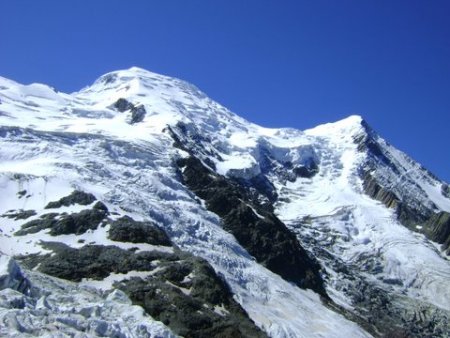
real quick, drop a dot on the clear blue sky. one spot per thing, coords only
(277, 63)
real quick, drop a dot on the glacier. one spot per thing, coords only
(120, 139)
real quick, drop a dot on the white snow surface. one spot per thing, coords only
(334, 200)
(57, 308)
(51, 143)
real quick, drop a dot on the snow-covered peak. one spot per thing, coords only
(137, 83)
(162, 101)
(130, 73)
(152, 102)
(122, 138)
(347, 127)
(6, 83)
(133, 76)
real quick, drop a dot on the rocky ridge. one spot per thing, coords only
(141, 190)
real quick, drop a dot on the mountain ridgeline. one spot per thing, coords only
(139, 207)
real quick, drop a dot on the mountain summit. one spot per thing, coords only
(139, 207)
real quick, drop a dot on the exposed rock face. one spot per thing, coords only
(93, 261)
(138, 111)
(123, 105)
(189, 139)
(181, 291)
(64, 224)
(76, 197)
(437, 228)
(243, 197)
(423, 218)
(176, 288)
(445, 190)
(256, 229)
(19, 214)
(269, 161)
(260, 190)
(374, 190)
(406, 215)
(44, 222)
(201, 303)
(125, 229)
(137, 114)
(435, 225)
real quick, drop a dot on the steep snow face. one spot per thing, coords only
(50, 146)
(348, 231)
(415, 185)
(51, 143)
(167, 101)
(91, 110)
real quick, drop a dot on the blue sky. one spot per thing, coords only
(277, 63)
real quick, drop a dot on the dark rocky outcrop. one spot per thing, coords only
(258, 186)
(366, 142)
(437, 228)
(123, 105)
(93, 261)
(44, 222)
(182, 291)
(125, 229)
(411, 213)
(374, 190)
(405, 214)
(21, 193)
(79, 223)
(445, 190)
(258, 230)
(138, 112)
(188, 138)
(19, 214)
(260, 190)
(64, 224)
(204, 305)
(76, 197)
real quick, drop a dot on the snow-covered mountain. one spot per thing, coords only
(139, 207)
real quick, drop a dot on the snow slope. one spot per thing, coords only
(362, 227)
(52, 143)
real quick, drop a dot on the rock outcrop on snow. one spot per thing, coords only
(139, 207)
